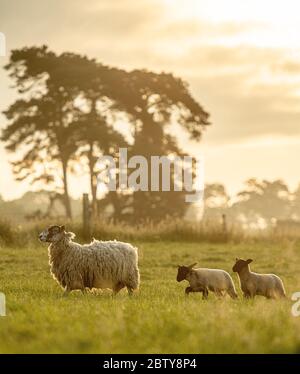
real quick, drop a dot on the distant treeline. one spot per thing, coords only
(260, 204)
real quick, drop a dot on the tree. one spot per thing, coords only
(41, 123)
(66, 113)
(154, 101)
(45, 124)
(96, 137)
(295, 204)
(216, 200)
(263, 199)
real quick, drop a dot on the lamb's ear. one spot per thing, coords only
(191, 266)
(62, 228)
(236, 259)
(249, 260)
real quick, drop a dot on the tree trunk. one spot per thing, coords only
(66, 191)
(93, 180)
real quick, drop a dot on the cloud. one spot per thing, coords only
(249, 91)
(205, 29)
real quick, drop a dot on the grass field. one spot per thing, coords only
(158, 319)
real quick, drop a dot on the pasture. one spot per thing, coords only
(158, 319)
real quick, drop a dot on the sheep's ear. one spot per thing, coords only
(249, 260)
(236, 259)
(191, 266)
(62, 228)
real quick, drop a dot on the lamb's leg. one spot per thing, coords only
(205, 293)
(197, 289)
(219, 293)
(246, 295)
(249, 295)
(232, 293)
(118, 288)
(188, 290)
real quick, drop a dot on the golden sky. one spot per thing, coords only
(241, 58)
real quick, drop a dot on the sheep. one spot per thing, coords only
(268, 285)
(202, 280)
(100, 264)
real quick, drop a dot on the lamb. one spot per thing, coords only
(268, 285)
(100, 264)
(202, 280)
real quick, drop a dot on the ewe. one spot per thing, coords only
(268, 285)
(100, 264)
(202, 280)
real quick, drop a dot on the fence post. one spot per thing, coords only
(224, 223)
(86, 217)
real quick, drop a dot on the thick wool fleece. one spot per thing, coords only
(100, 264)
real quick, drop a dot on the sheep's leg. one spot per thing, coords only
(66, 292)
(249, 295)
(271, 295)
(129, 290)
(188, 290)
(205, 293)
(118, 288)
(199, 289)
(246, 295)
(232, 293)
(219, 293)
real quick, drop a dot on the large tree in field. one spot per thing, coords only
(45, 124)
(96, 137)
(41, 122)
(66, 113)
(154, 101)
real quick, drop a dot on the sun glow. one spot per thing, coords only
(271, 23)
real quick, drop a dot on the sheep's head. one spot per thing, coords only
(52, 234)
(240, 264)
(183, 271)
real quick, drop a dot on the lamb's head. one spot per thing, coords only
(53, 234)
(183, 271)
(240, 264)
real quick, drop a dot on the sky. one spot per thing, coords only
(240, 58)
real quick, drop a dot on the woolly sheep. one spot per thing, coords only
(268, 285)
(202, 280)
(100, 264)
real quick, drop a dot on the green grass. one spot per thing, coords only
(158, 319)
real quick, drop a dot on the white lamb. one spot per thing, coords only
(268, 285)
(202, 280)
(100, 264)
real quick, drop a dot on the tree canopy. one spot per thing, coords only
(65, 118)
